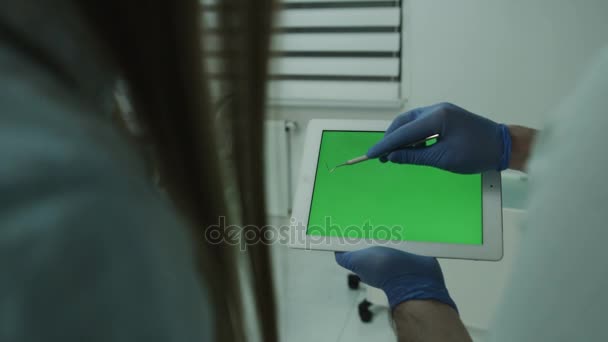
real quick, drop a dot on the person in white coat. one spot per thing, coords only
(557, 291)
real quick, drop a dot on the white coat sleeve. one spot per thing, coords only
(558, 287)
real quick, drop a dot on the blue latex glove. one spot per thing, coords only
(402, 276)
(468, 143)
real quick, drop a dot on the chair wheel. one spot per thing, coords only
(365, 313)
(353, 281)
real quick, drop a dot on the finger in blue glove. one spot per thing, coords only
(402, 276)
(468, 143)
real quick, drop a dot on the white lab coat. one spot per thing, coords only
(559, 286)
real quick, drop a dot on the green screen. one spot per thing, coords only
(372, 200)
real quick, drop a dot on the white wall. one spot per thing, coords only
(510, 60)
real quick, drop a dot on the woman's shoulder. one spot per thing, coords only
(86, 241)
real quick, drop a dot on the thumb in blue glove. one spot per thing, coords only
(402, 276)
(468, 143)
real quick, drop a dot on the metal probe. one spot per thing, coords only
(363, 158)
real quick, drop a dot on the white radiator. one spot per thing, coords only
(277, 168)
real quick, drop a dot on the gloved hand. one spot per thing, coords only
(402, 276)
(468, 143)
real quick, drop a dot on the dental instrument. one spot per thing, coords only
(417, 144)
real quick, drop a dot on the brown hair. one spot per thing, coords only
(157, 47)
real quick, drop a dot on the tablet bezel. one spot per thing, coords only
(491, 249)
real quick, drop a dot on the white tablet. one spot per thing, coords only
(419, 209)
